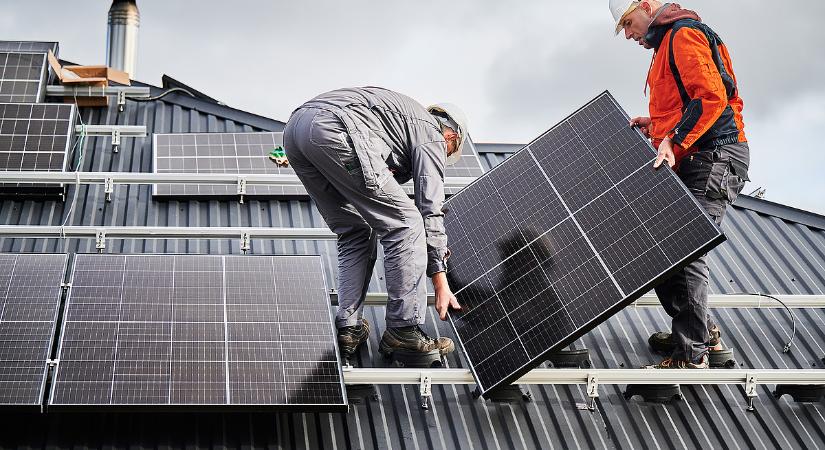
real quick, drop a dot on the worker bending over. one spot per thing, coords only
(352, 149)
(696, 124)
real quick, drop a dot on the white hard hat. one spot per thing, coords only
(459, 125)
(621, 8)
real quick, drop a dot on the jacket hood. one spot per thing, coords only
(666, 16)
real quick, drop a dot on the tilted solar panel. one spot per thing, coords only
(246, 153)
(35, 137)
(198, 332)
(562, 235)
(23, 77)
(30, 291)
(28, 46)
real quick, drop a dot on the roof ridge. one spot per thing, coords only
(784, 212)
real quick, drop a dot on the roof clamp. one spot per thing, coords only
(52, 363)
(108, 188)
(65, 286)
(100, 240)
(241, 188)
(121, 101)
(750, 391)
(245, 241)
(115, 140)
(426, 389)
(592, 391)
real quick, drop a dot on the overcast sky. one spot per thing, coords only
(515, 67)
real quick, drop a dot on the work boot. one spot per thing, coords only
(412, 339)
(671, 363)
(349, 338)
(662, 341)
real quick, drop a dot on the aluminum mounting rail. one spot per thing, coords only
(97, 91)
(103, 233)
(714, 301)
(116, 132)
(593, 378)
(605, 376)
(111, 178)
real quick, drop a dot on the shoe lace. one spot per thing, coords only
(666, 363)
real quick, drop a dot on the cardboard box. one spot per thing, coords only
(91, 76)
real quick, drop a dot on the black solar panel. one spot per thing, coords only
(28, 46)
(198, 331)
(30, 290)
(22, 77)
(246, 153)
(561, 236)
(34, 137)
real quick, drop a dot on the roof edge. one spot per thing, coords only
(781, 211)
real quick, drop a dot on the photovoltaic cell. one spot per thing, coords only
(561, 236)
(30, 290)
(22, 77)
(247, 153)
(197, 331)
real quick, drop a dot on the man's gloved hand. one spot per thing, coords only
(643, 123)
(444, 298)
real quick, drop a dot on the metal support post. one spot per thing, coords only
(750, 391)
(592, 391)
(108, 188)
(100, 241)
(426, 389)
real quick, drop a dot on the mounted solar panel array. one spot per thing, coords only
(35, 137)
(30, 291)
(561, 236)
(198, 332)
(245, 153)
(22, 77)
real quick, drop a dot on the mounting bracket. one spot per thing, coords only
(592, 391)
(425, 388)
(750, 391)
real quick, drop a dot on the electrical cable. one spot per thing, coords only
(161, 95)
(78, 148)
(787, 347)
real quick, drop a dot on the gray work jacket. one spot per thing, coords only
(395, 136)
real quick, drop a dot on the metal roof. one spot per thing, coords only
(770, 248)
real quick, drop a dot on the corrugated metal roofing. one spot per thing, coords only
(768, 250)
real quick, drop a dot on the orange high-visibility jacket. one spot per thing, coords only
(694, 98)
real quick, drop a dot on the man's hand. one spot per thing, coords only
(643, 123)
(665, 154)
(444, 298)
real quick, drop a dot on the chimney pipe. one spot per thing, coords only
(122, 35)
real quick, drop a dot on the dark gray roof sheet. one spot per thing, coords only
(767, 251)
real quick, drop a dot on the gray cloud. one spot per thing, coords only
(516, 67)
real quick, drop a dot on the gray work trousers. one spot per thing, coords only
(322, 154)
(684, 296)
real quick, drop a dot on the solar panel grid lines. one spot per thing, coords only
(580, 226)
(29, 46)
(22, 77)
(30, 294)
(209, 332)
(246, 153)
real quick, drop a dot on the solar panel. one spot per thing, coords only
(30, 290)
(561, 236)
(22, 77)
(34, 137)
(28, 46)
(198, 332)
(247, 153)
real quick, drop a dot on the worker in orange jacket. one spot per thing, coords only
(696, 124)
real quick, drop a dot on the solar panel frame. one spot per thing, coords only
(468, 166)
(236, 300)
(38, 308)
(481, 286)
(29, 71)
(55, 122)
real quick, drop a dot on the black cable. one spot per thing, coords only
(161, 95)
(787, 347)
